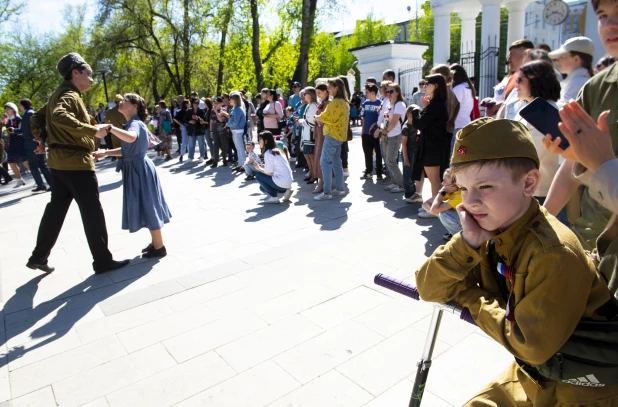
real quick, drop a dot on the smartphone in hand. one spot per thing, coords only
(545, 118)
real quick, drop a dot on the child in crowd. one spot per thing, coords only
(252, 157)
(288, 134)
(523, 276)
(444, 205)
(409, 145)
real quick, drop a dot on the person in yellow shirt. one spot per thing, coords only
(335, 119)
(443, 206)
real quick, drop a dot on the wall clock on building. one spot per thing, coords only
(555, 12)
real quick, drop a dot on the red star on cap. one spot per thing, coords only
(461, 150)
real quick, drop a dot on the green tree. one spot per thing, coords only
(330, 57)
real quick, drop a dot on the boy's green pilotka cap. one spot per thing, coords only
(490, 139)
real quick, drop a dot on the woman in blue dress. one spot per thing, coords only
(143, 203)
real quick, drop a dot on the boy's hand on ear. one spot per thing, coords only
(472, 232)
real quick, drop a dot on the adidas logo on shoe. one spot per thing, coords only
(588, 381)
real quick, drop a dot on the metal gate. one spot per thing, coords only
(409, 77)
(488, 70)
(468, 59)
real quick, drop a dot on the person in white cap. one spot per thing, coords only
(574, 59)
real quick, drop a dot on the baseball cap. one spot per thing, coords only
(295, 84)
(577, 44)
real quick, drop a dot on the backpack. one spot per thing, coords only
(166, 122)
(589, 358)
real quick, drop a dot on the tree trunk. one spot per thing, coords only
(186, 48)
(224, 26)
(301, 73)
(255, 46)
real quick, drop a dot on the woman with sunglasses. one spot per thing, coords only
(434, 142)
(417, 96)
(389, 128)
(537, 79)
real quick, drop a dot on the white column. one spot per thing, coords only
(468, 29)
(490, 38)
(490, 24)
(441, 34)
(517, 19)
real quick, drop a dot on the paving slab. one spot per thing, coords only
(255, 305)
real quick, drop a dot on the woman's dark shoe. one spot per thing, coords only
(42, 267)
(312, 181)
(307, 178)
(249, 178)
(161, 252)
(169, 157)
(214, 165)
(148, 248)
(113, 265)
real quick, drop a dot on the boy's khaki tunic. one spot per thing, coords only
(67, 122)
(555, 285)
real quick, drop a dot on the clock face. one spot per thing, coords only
(555, 12)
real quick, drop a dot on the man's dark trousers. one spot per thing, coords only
(371, 143)
(220, 140)
(37, 166)
(84, 188)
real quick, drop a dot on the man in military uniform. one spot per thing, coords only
(115, 118)
(71, 141)
(522, 274)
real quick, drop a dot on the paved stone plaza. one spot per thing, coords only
(254, 305)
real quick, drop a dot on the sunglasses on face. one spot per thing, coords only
(388, 92)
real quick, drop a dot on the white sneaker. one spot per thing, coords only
(189, 160)
(426, 215)
(389, 187)
(271, 200)
(19, 183)
(288, 194)
(200, 160)
(416, 198)
(346, 173)
(338, 193)
(322, 197)
(397, 189)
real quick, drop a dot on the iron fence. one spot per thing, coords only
(409, 77)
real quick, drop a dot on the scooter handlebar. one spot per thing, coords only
(409, 290)
(398, 286)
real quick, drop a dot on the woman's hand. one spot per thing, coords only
(376, 133)
(102, 130)
(40, 148)
(406, 162)
(472, 232)
(590, 142)
(99, 154)
(425, 101)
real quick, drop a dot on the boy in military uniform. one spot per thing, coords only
(71, 141)
(523, 275)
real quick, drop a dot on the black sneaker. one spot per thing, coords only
(214, 165)
(148, 248)
(42, 267)
(180, 158)
(380, 177)
(366, 175)
(210, 161)
(249, 178)
(39, 189)
(113, 265)
(155, 253)
(447, 236)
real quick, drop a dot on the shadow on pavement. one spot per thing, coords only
(63, 321)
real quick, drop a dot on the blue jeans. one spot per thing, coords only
(37, 166)
(249, 170)
(330, 161)
(200, 143)
(210, 142)
(408, 182)
(450, 220)
(267, 185)
(239, 142)
(185, 139)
